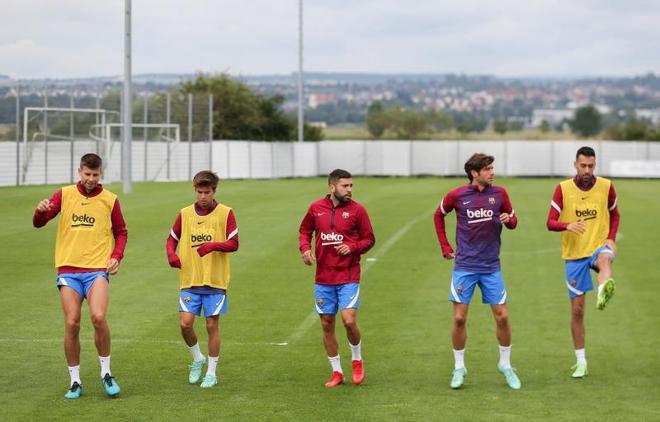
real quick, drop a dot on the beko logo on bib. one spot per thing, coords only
(587, 214)
(82, 220)
(200, 238)
(480, 213)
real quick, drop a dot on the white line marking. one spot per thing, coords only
(312, 317)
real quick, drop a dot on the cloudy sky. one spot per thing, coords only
(78, 38)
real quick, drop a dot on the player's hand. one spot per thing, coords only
(610, 244)
(205, 249)
(504, 218)
(113, 266)
(448, 252)
(343, 249)
(174, 261)
(44, 205)
(579, 227)
(308, 258)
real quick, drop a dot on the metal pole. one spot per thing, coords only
(96, 116)
(167, 113)
(71, 135)
(128, 107)
(211, 132)
(300, 72)
(190, 98)
(18, 132)
(144, 131)
(46, 138)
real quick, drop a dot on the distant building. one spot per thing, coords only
(649, 114)
(552, 116)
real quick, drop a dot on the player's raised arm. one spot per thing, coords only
(47, 209)
(445, 207)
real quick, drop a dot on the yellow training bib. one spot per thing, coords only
(84, 233)
(213, 269)
(591, 207)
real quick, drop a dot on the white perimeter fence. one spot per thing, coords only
(57, 163)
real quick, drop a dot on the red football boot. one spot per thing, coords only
(358, 372)
(336, 379)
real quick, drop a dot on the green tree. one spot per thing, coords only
(409, 124)
(239, 113)
(376, 119)
(440, 122)
(545, 126)
(586, 122)
(500, 126)
(310, 132)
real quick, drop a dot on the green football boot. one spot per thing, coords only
(458, 377)
(579, 370)
(196, 371)
(511, 377)
(605, 293)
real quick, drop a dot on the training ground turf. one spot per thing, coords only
(273, 365)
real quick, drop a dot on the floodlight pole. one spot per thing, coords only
(128, 109)
(300, 72)
(18, 132)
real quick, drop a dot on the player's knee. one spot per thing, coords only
(502, 319)
(98, 319)
(186, 325)
(349, 322)
(72, 326)
(578, 312)
(604, 260)
(460, 321)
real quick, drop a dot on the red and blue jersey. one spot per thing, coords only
(478, 226)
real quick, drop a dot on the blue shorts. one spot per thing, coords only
(80, 282)
(578, 275)
(213, 303)
(330, 299)
(491, 285)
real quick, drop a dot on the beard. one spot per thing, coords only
(342, 198)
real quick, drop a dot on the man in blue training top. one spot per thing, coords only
(481, 210)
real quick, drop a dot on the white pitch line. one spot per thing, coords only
(313, 316)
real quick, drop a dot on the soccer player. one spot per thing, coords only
(481, 210)
(205, 232)
(584, 209)
(84, 257)
(343, 232)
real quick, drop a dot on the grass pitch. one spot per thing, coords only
(404, 316)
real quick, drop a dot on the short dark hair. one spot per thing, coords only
(91, 161)
(206, 179)
(586, 151)
(477, 162)
(337, 174)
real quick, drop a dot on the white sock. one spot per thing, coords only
(196, 353)
(105, 365)
(505, 356)
(458, 359)
(356, 351)
(74, 373)
(580, 355)
(213, 362)
(335, 363)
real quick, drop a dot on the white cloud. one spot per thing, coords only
(85, 38)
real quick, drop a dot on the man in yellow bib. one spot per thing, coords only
(205, 232)
(584, 209)
(84, 257)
